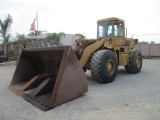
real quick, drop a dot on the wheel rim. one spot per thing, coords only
(138, 61)
(110, 67)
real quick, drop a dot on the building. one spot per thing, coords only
(44, 40)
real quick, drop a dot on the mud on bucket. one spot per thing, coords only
(47, 77)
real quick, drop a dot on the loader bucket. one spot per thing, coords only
(47, 77)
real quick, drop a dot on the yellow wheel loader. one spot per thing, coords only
(110, 50)
(47, 77)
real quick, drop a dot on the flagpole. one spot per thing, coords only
(37, 22)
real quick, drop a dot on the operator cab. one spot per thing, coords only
(110, 27)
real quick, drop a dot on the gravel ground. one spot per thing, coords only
(129, 97)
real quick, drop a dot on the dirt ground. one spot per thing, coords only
(129, 97)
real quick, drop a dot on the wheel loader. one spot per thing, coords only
(110, 50)
(47, 77)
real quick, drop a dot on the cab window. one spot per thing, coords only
(118, 29)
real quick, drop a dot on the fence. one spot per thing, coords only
(149, 50)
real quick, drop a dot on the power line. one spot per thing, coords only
(143, 23)
(147, 34)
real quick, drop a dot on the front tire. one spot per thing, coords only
(104, 66)
(135, 62)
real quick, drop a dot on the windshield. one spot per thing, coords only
(104, 29)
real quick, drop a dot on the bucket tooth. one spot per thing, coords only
(47, 77)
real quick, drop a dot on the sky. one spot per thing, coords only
(142, 17)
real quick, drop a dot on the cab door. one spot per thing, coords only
(118, 36)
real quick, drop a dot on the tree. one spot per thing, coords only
(15, 49)
(20, 42)
(31, 34)
(34, 33)
(143, 42)
(56, 37)
(4, 32)
(80, 35)
(21, 39)
(152, 42)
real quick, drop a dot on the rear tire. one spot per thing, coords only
(104, 66)
(135, 62)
